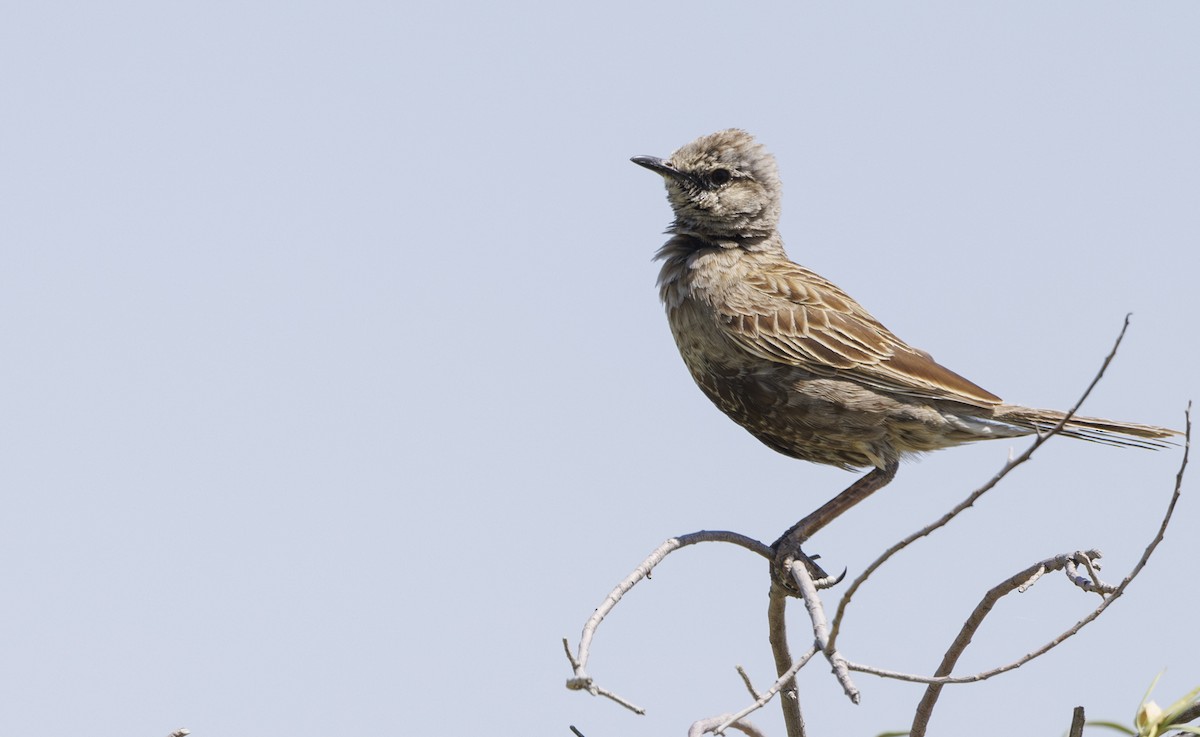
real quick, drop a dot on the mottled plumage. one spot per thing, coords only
(794, 359)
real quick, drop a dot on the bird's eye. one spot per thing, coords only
(720, 176)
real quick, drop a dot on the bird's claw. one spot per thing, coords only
(787, 553)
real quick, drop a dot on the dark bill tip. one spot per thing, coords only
(657, 165)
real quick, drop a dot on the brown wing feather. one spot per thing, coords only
(798, 318)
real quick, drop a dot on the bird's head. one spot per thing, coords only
(721, 186)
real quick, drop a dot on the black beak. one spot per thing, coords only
(658, 166)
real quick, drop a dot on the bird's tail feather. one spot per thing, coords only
(1094, 429)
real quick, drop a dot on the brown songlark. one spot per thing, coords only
(795, 360)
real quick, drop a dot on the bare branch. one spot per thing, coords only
(1187, 715)
(816, 613)
(719, 724)
(974, 496)
(1090, 583)
(584, 682)
(749, 686)
(595, 690)
(786, 681)
(1117, 592)
(1077, 721)
(1081, 567)
(793, 719)
(782, 682)
(1041, 571)
(1017, 582)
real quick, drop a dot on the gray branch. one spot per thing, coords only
(1081, 569)
(973, 496)
(581, 681)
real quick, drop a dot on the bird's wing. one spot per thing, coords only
(793, 316)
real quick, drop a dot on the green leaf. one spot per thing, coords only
(1111, 725)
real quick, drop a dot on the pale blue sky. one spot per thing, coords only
(336, 389)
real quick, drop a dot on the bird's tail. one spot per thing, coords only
(1097, 430)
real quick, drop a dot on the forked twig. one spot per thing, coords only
(1017, 582)
(812, 601)
(581, 681)
(780, 684)
(1108, 600)
(816, 613)
(1081, 568)
(974, 496)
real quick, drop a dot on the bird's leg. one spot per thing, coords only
(835, 507)
(790, 542)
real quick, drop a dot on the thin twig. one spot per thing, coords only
(718, 725)
(581, 681)
(1091, 582)
(1093, 566)
(974, 496)
(816, 613)
(781, 683)
(1013, 583)
(749, 685)
(1116, 594)
(1032, 580)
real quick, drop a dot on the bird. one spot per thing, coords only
(794, 359)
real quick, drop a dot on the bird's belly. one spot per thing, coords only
(818, 418)
(793, 411)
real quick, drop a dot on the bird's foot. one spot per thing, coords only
(787, 553)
